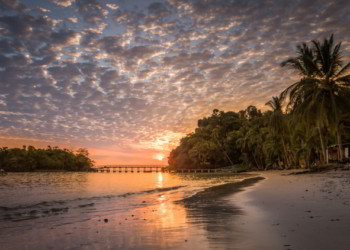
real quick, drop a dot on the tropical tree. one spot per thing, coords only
(321, 96)
(251, 137)
(277, 124)
(32, 159)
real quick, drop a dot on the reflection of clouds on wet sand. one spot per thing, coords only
(212, 210)
(217, 217)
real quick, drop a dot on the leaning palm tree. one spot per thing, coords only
(322, 95)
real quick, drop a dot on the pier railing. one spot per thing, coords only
(156, 168)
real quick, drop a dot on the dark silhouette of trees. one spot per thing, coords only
(321, 96)
(316, 116)
(52, 158)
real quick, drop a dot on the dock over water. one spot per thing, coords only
(155, 169)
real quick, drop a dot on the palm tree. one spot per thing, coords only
(322, 94)
(276, 120)
(251, 137)
(303, 140)
(277, 123)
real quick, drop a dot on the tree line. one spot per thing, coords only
(52, 158)
(303, 121)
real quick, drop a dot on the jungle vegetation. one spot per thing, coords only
(51, 158)
(301, 123)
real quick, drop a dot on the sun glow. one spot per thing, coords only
(159, 157)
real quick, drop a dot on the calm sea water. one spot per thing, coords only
(110, 211)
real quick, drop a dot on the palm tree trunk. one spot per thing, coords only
(340, 149)
(256, 161)
(223, 149)
(308, 157)
(307, 161)
(322, 145)
(262, 166)
(285, 153)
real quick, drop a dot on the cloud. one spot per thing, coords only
(98, 30)
(137, 79)
(12, 5)
(64, 3)
(23, 25)
(43, 10)
(92, 11)
(65, 38)
(112, 6)
(73, 19)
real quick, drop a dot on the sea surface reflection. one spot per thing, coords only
(117, 211)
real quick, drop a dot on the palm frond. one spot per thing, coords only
(343, 70)
(344, 80)
(296, 65)
(319, 54)
(335, 61)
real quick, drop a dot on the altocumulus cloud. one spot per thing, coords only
(127, 79)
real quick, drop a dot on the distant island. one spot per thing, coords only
(28, 159)
(312, 130)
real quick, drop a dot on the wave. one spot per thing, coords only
(47, 208)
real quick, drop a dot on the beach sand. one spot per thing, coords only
(278, 211)
(308, 211)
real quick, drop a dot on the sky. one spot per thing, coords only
(127, 79)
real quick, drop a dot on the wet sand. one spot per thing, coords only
(161, 219)
(310, 211)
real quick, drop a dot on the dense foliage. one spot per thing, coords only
(316, 116)
(32, 159)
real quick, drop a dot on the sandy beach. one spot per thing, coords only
(309, 211)
(263, 210)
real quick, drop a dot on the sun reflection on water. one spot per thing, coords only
(160, 180)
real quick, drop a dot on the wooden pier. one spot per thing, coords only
(131, 168)
(155, 169)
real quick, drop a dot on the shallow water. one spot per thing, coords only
(113, 210)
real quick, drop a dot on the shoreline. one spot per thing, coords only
(295, 211)
(152, 220)
(264, 210)
(217, 192)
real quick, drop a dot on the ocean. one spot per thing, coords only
(67, 210)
